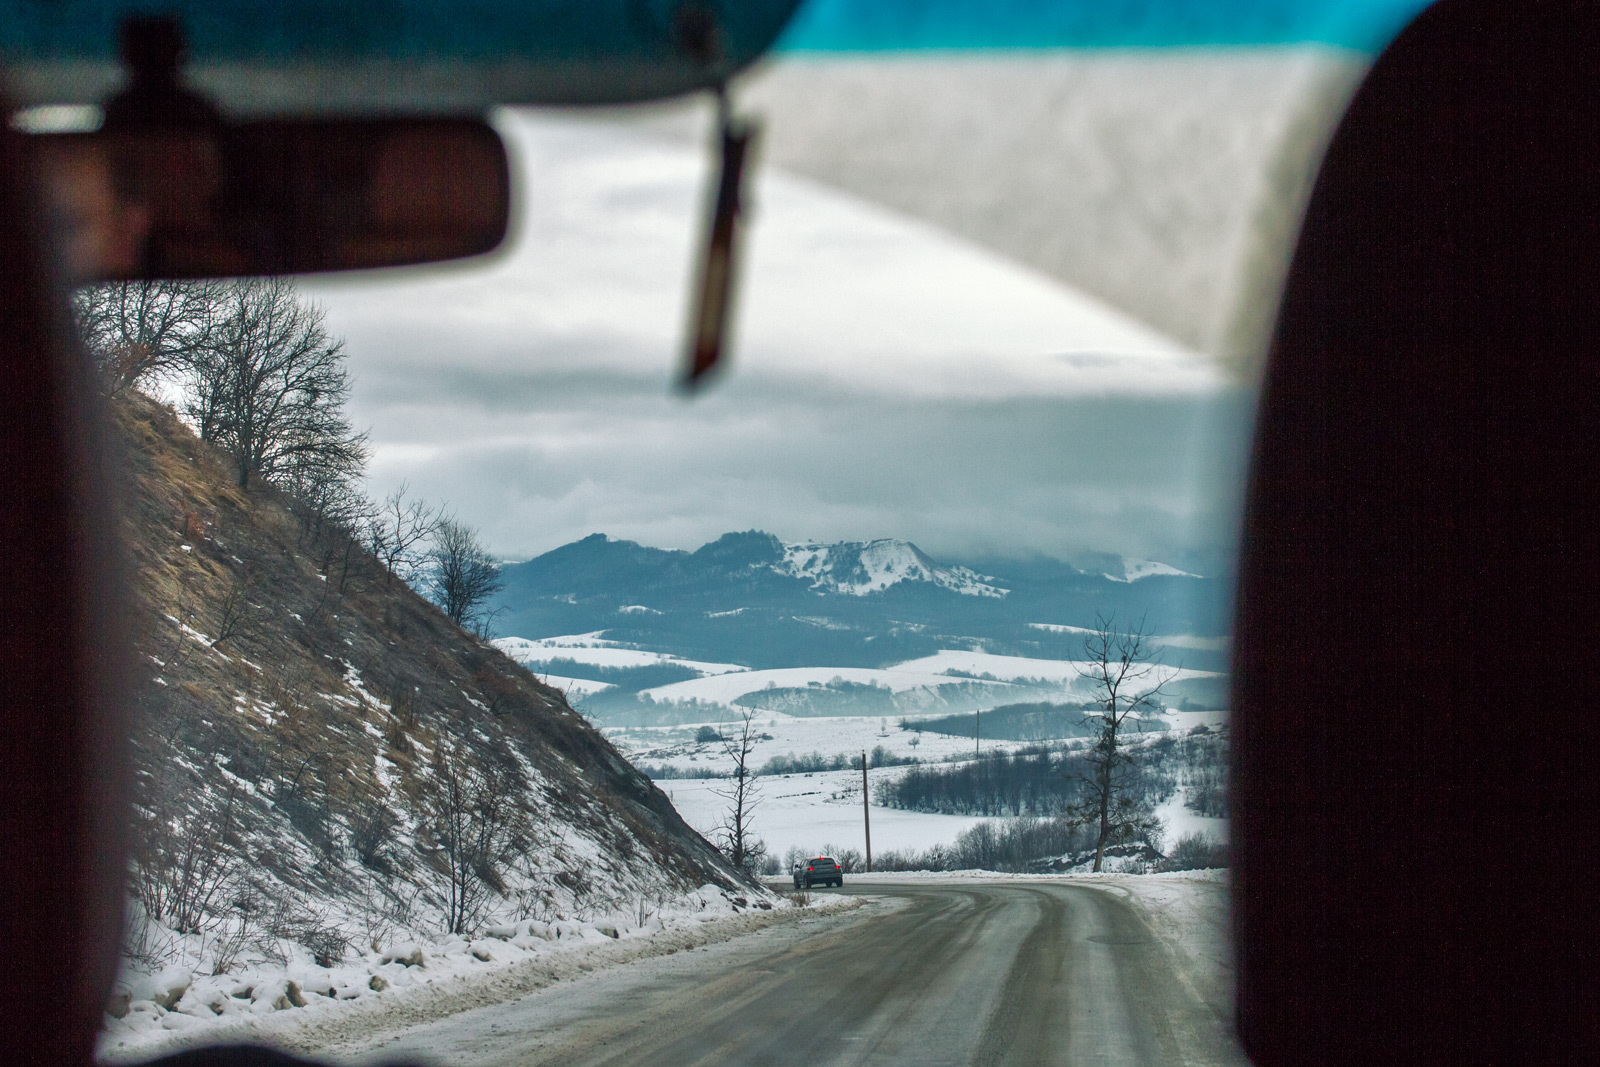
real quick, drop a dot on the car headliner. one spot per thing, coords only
(1153, 153)
(409, 54)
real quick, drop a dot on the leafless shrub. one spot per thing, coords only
(237, 930)
(372, 837)
(294, 920)
(497, 690)
(1194, 852)
(328, 944)
(384, 908)
(574, 878)
(646, 908)
(146, 944)
(535, 902)
(182, 863)
(848, 859)
(237, 616)
(475, 823)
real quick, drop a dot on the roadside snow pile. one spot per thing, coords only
(1191, 912)
(177, 1008)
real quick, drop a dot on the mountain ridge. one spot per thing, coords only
(752, 598)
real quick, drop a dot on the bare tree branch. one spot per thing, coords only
(141, 331)
(397, 527)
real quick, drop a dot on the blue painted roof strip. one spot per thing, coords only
(478, 30)
(473, 30)
(901, 25)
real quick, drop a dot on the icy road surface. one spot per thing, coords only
(1022, 972)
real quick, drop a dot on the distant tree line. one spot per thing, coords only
(1017, 845)
(816, 761)
(811, 763)
(251, 367)
(666, 772)
(1037, 780)
(1041, 721)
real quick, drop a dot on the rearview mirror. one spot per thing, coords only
(273, 197)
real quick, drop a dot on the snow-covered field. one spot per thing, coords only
(786, 735)
(809, 811)
(574, 687)
(1024, 668)
(726, 683)
(595, 650)
(1181, 822)
(838, 735)
(726, 688)
(806, 811)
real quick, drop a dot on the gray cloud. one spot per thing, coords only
(889, 381)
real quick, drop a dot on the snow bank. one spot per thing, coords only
(413, 981)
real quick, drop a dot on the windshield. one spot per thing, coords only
(499, 659)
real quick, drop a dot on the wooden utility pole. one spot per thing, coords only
(866, 815)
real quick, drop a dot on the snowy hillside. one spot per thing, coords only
(328, 770)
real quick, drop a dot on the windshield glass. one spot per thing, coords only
(480, 652)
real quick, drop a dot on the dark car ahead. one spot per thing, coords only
(820, 871)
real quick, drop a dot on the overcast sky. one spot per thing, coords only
(888, 380)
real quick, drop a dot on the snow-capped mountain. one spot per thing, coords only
(1135, 569)
(753, 599)
(857, 568)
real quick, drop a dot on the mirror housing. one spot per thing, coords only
(281, 196)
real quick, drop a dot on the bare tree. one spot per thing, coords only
(1127, 683)
(396, 529)
(737, 840)
(269, 386)
(139, 331)
(463, 575)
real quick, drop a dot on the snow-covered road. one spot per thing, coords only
(933, 970)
